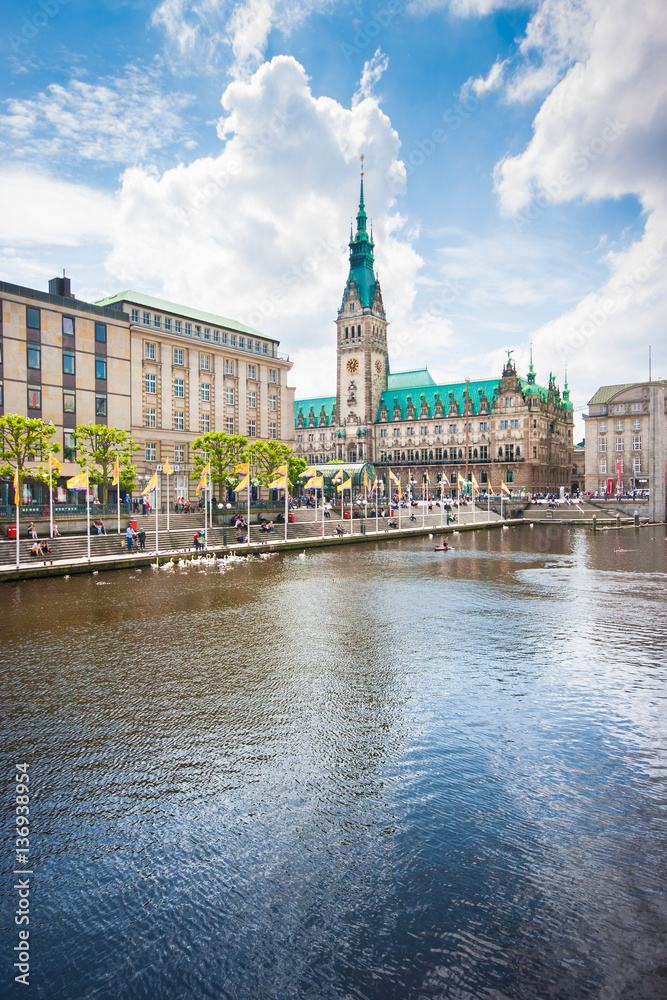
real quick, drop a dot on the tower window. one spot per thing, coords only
(358, 331)
(346, 333)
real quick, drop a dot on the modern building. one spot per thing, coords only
(164, 372)
(507, 429)
(618, 439)
(579, 468)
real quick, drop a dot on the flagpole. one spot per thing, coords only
(157, 491)
(423, 507)
(473, 503)
(50, 499)
(400, 497)
(249, 491)
(322, 504)
(458, 501)
(167, 504)
(118, 491)
(377, 522)
(17, 502)
(88, 511)
(286, 507)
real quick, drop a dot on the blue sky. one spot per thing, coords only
(208, 152)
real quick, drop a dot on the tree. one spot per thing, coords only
(266, 456)
(97, 447)
(23, 440)
(295, 467)
(223, 451)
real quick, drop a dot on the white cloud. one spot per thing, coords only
(600, 134)
(485, 84)
(259, 232)
(466, 8)
(371, 75)
(38, 209)
(204, 31)
(122, 120)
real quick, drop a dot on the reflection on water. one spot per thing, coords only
(380, 772)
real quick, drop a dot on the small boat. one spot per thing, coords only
(444, 548)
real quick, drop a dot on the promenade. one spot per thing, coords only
(109, 552)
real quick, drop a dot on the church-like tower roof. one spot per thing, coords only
(361, 256)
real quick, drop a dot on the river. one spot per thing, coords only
(366, 773)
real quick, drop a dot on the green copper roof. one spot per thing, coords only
(445, 393)
(605, 392)
(410, 380)
(161, 305)
(315, 403)
(361, 257)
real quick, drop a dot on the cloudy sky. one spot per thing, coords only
(208, 152)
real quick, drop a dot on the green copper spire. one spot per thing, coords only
(531, 370)
(361, 253)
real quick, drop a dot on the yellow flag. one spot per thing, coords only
(242, 485)
(398, 483)
(475, 484)
(55, 464)
(278, 484)
(340, 475)
(314, 483)
(393, 477)
(116, 473)
(460, 480)
(17, 498)
(168, 469)
(242, 467)
(489, 490)
(79, 482)
(365, 478)
(505, 488)
(347, 485)
(444, 481)
(150, 486)
(310, 471)
(281, 470)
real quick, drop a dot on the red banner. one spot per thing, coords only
(618, 476)
(610, 487)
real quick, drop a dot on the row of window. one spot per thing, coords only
(202, 332)
(636, 466)
(33, 321)
(621, 408)
(205, 362)
(480, 454)
(69, 401)
(205, 392)
(636, 443)
(636, 426)
(204, 428)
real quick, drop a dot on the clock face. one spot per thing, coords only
(352, 366)
(378, 367)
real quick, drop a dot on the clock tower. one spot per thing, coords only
(363, 363)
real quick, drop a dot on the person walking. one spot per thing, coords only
(141, 535)
(130, 534)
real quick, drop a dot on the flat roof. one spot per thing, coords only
(162, 305)
(65, 301)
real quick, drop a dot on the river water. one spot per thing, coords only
(374, 772)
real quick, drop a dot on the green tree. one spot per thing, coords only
(23, 440)
(97, 447)
(266, 456)
(295, 467)
(223, 451)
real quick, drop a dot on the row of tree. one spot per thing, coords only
(24, 441)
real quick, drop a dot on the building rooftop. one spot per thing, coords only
(198, 315)
(605, 392)
(410, 380)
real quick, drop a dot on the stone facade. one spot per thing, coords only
(163, 372)
(508, 429)
(618, 426)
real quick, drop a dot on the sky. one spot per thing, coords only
(208, 153)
